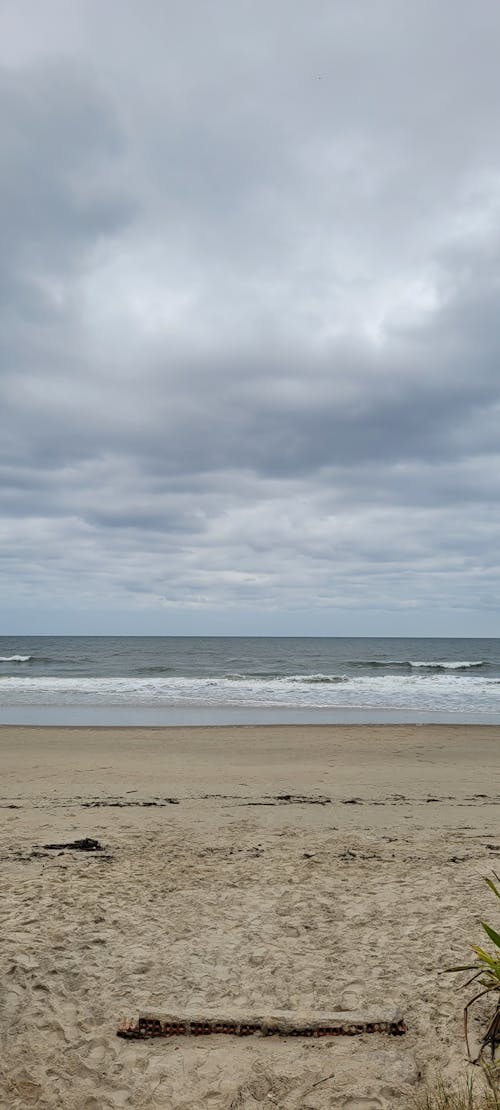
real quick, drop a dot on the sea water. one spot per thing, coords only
(196, 680)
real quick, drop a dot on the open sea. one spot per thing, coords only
(120, 680)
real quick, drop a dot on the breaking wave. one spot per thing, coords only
(439, 689)
(275, 676)
(426, 664)
(15, 658)
(444, 666)
(320, 679)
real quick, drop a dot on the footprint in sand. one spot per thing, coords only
(13, 1002)
(352, 995)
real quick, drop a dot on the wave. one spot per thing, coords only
(253, 676)
(15, 658)
(152, 672)
(430, 664)
(256, 676)
(378, 662)
(276, 676)
(447, 666)
(441, 690)
(319, 679)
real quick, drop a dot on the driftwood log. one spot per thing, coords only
(281, 1023)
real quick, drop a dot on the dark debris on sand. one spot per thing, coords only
(85, 845)
(116, 804)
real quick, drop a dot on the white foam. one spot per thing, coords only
(15, 658)
(437, 690)
(446, 666)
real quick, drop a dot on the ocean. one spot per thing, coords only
(120, 680)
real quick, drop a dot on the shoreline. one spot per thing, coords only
(319, 726)
(274, 867)
(195, 717)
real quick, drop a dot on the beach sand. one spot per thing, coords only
(295, 867)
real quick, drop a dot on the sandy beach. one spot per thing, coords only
(293, 867)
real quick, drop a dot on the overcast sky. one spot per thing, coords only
(250, 322)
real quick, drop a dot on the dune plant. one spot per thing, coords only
(486, 970)
(442, 1096)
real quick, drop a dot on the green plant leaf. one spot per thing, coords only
(484, 956)
(493, 935)
(461, 967)
(492, 886)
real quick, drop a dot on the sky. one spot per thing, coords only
(249, 327)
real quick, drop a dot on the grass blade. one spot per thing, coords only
(493, 935)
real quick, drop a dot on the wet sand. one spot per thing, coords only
(285, 867)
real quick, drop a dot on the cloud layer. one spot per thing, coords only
(249, 346)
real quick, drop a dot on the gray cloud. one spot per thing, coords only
(249, 282)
